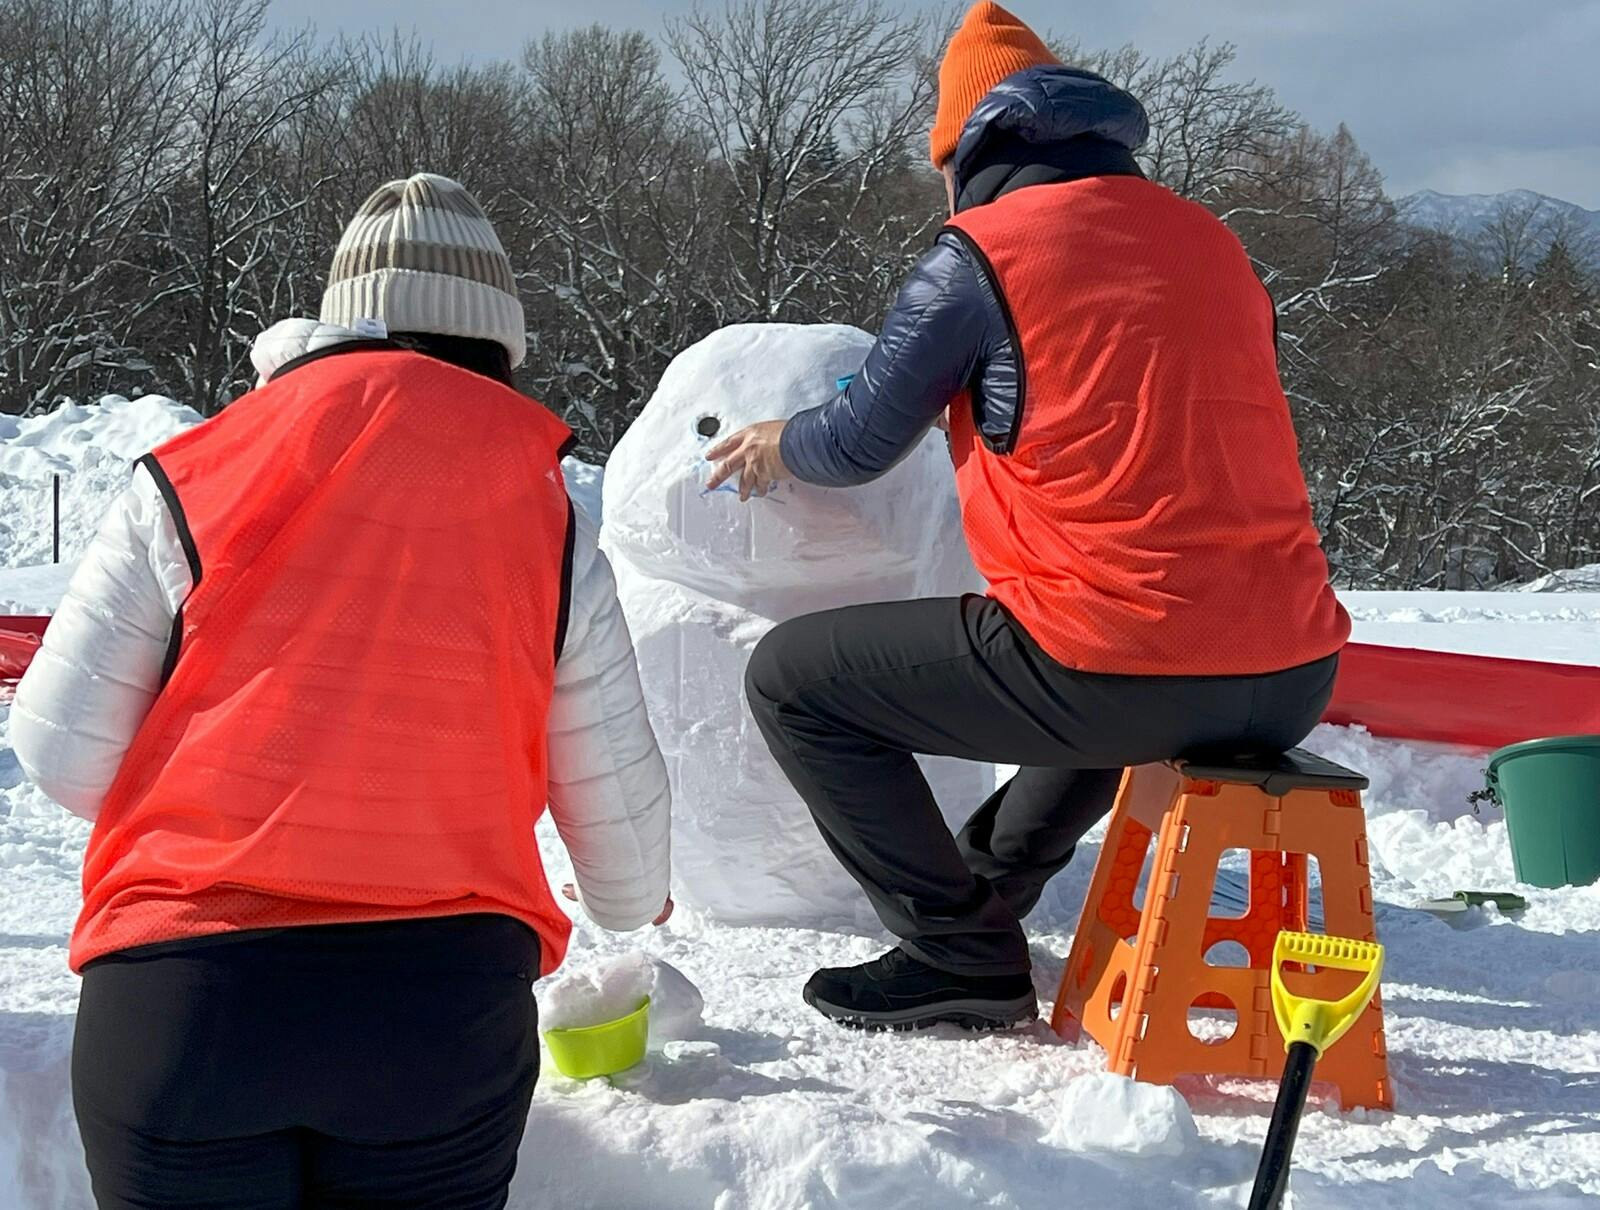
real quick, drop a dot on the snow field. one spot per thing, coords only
(1493, 1031)
(1561, 625)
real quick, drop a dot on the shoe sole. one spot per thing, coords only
(975, 1015)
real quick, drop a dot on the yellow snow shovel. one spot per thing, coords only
(1309, 1027)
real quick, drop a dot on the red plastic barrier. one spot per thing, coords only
(1474, 700)
(17, 647)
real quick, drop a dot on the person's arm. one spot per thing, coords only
(90, 685)
(608, 783)
(931, 342)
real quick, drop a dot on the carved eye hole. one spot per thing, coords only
(708, 426)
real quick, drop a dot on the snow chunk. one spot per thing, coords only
(583, 485)
(677, 1009)
(1107, 1112)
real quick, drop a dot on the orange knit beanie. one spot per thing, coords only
(990, 45)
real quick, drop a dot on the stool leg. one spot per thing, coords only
(1332, 827)
(1173, 975)
(1109, 919)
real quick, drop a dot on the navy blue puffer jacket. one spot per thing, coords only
(947, 329)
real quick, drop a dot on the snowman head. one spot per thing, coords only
(799, 542)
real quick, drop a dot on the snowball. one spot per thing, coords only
(703, 577)
(1107, 1112)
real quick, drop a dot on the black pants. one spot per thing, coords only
(342, 1066)
(845, 698)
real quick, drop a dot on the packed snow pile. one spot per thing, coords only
(581, 997)
(1107, 1112)
(703, 577)
(580, 1000)
(1575, 579)
(91, 447)
(33, 590)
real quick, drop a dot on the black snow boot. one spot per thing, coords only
(898, 992)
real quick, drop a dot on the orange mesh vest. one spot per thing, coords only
(354, 724)
(1148, 516)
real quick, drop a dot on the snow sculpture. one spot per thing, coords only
(704, 577)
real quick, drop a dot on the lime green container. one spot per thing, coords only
(600, 1050)
(1550, 789)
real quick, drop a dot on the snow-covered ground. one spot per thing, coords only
(1561, 625)
(1493, 1022)
(1493, 1030)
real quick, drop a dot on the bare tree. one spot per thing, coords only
(808, 106)
(91, 136)
(173, 179)
(223, 222)
(1208, 131)
(620, 232)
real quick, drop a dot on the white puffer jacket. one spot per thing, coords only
(99, 669)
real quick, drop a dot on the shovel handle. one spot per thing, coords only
(1272, 1177)
(1322, 1022)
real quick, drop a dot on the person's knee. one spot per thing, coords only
(769, 676)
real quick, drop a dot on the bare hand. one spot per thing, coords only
(751, 454)
(571, 892)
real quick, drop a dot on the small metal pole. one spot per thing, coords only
(55, 514)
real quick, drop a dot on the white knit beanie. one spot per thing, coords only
(421, 256)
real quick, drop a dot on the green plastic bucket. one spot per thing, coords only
(1550, 789)
(601, 1050)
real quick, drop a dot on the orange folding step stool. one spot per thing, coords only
(1134, 974)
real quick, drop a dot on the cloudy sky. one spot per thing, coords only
(1462, 96)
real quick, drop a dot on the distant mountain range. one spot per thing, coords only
(1470, 214)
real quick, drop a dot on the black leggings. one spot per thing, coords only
(844, 698)
(341, 1066)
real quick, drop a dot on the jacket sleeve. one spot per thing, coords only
(932, 340)
(89, 687)
(608, 783)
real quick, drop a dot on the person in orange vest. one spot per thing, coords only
(1130, 489)
(315, 681)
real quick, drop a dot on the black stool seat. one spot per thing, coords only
(1275, 772)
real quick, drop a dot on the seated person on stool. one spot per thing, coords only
(1130, 488)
